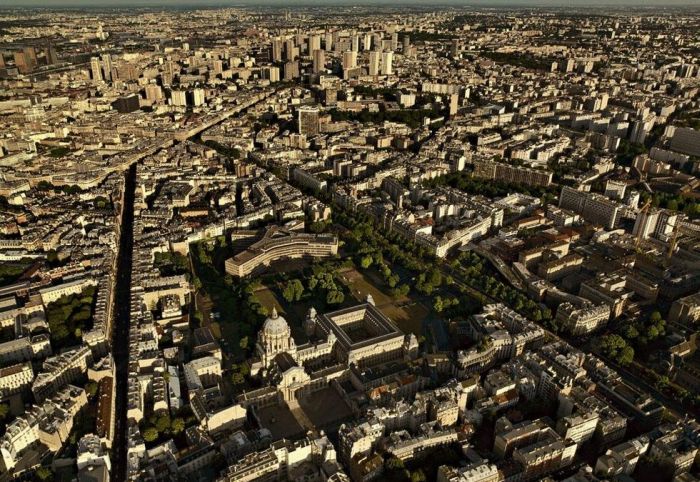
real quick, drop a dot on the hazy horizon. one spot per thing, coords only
(308, 3)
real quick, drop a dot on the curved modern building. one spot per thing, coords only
(279, 243)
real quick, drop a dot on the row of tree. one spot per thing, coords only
(519, 59)
(427, 283)
(474, 273)
(411, 117)
(464, 181)
(441, 304)
(365, 238)
(390, 278)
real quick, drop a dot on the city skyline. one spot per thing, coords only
(583, 4)
(349, 242)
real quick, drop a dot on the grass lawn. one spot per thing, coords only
(361, 285)
(407, 313)
(268, 299)
(294, 312)
(10, 272)
(409, 316)
(215, 330)
(204, 305)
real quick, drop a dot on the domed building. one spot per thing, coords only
(274, 338)
(359, 335)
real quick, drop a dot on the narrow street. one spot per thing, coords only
(120, 334)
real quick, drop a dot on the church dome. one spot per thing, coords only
(275, 324)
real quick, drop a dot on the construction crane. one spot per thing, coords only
(643, 210)
(672, 242)
(677, 229)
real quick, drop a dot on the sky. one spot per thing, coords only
(292, 3)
